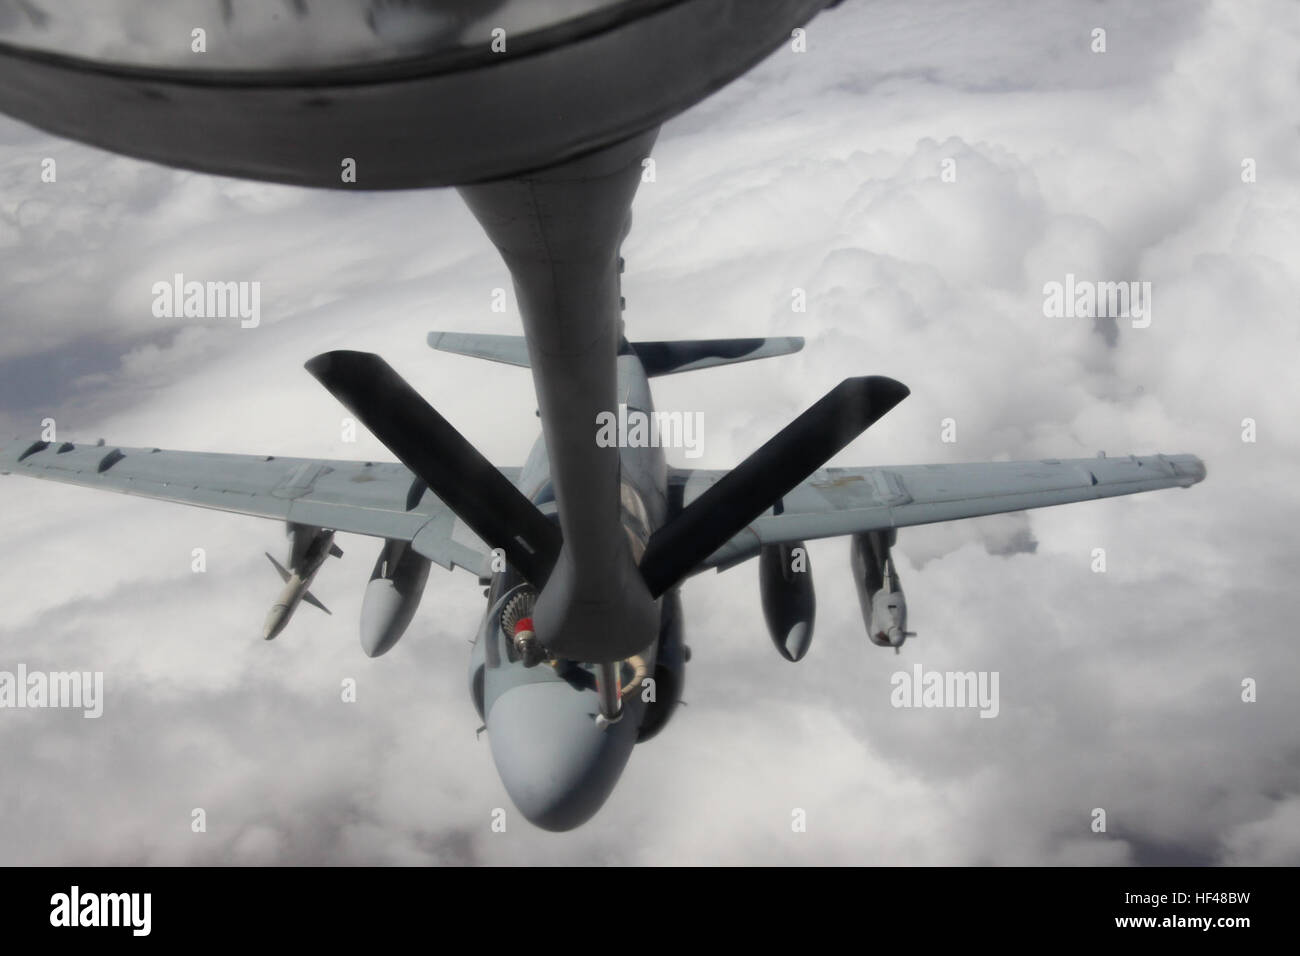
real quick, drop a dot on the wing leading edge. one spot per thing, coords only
(380, 499)
(841, 501)
(386, 500)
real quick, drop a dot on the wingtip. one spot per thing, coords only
(319, 365)
(886, 389)
(328, 362)
(875, 395)
(1191, 467)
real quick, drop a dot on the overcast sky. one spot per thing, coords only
(1120, 690)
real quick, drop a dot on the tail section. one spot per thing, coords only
(506, 349)
(686, 355)
(658, 358)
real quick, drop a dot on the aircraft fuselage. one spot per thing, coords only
(558, 760)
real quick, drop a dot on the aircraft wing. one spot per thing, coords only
(839, 501)
(373, 498)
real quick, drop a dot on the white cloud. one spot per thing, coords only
(820, 171)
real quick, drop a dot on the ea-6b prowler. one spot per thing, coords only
(565, 705)
(542, 116)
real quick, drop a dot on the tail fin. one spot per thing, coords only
(279, 568)
(314, 601)
(658, 358)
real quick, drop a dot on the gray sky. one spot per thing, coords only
(819, 170)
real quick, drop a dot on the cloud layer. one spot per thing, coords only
(819, 171)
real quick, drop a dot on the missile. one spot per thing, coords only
(295, 591)
(880, 592)
(310, 548)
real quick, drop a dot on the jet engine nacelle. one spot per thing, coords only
(789, 605)
(394, 592)
(880, 592)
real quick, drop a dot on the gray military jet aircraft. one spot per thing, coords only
(564, 707)
(541, 114)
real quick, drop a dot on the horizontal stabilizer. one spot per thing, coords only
(507, 349)
(686, 355)
(658, 358)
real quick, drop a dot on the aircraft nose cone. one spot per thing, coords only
(556, 764)
(276, 619)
